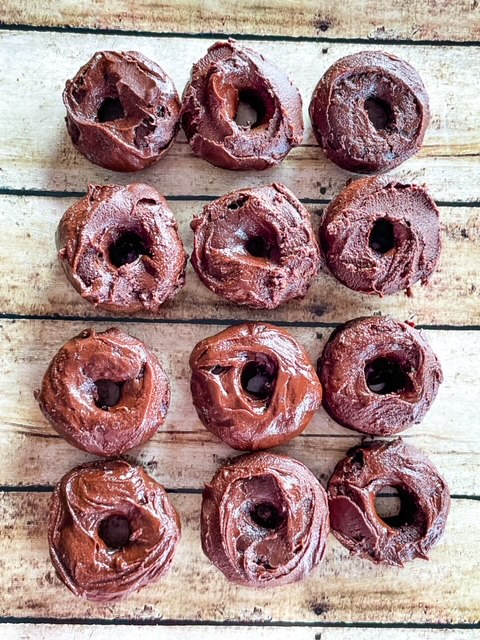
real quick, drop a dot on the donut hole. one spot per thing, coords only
(115, 531)
(251, 110)
(127, 248)
(380, 112)
(258, 379)
(110, 109)
(387, 375)
(267, 515)
(107, 393)
(396, 506)
(382, 236)
(261, 245)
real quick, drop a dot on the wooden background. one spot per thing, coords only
(42, 43)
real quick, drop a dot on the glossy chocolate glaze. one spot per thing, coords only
(253, 386)
(105, 392)
(424, 495)
(120, 248)
(256, 247)
(123, 111)
(119, 500)
(369, 112)
(379, 376)
(380, 236)
(227, 75)
(264, 520)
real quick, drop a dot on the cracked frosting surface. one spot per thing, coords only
(253, 386)
(264, 520)
(123, 111)
(424, 496)
(227, 75)
(105, 392)
(124, 496)
(256, 247)
(369, 112)
(379, 236)
(120, 248)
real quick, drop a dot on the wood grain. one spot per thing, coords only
(372, 19)
(36, 152)
(444, 590)
(37, 285)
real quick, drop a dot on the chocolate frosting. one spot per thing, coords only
(369, 112)
(227, 75)
(105, 392)
(119, 500)
(379, 376)
(253, 386)
(264, 520)
(424, 496)
(123, 111)
(380, 236)
(120, 248)
(256, 247)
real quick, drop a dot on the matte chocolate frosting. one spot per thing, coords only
(121, 250)
(112, 530)
(379, 376)
(105, 392)
(253, 386)
(123, 111)
(423, 494)
(264, 520)
(369, 112)
(380, 236)
(256, 247)
(225, 77)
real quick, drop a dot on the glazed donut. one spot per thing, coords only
(264, 520)
(123, 111)
(256, 247)
(105, 392)
(112, 530)
(379, 236)
(230, 76)
(253, 386)
(423, 493)
(120, 248)
(369, 112)
(378, 376)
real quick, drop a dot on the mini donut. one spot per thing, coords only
(230, 79)
(256, 247)
(112, 530)
(105, 392)
(264, 520)
(423, 494)
(379, 376)
(123, 111)
(380, 237)
(253, 386)
(369, 112)
(120, 248)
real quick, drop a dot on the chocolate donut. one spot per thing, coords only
(256, 247)
(123, 111)
(369, 112)
(105, 392)
(378, 376)
(121, 250)
(264, 520)
(239, 110)
(379, 236)
(112, 530)
(253, 386)
(423, 494)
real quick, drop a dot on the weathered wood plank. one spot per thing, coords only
(374, 19)
(444, 590)
(37, 285)
(36, 152)
(184, 454)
